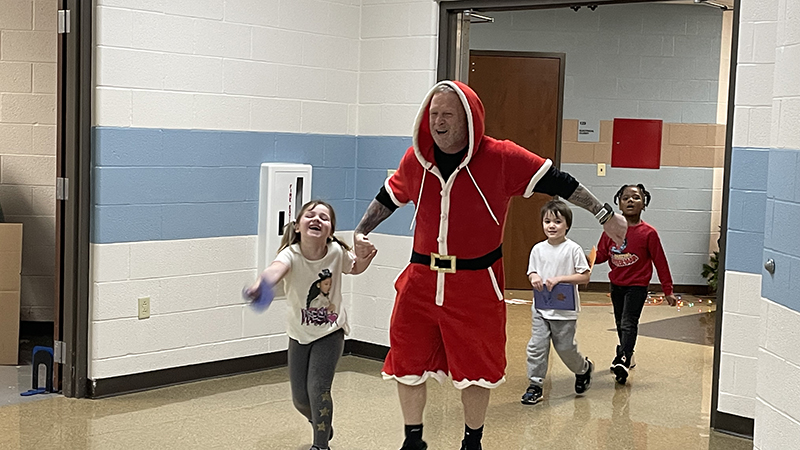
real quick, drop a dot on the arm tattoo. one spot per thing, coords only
(376, 213)
(585, 199)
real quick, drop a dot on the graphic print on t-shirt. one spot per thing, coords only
(621, 258)
(319, 309)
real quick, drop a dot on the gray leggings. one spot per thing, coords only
(562, 334)
(311, 370)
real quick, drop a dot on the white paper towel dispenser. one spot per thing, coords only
(283, 190)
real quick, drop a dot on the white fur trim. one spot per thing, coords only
(536, 177)
(391, 194)
(494, 284)
(416, 380)
(422, 116)
(463, 384)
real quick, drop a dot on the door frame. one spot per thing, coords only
(451, 48)
(73, 141)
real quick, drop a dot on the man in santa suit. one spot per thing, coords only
(449, 316)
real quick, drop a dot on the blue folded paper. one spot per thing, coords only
(261, 298)
(561, 297)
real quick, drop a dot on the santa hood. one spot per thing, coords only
(423, 141)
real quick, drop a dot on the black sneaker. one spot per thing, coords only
(621, 370)
(584, 381)
(617, 360)
(419, 445)
(532, 396)
(464, 446)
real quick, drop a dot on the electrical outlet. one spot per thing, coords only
(601, 169)
(144, 307)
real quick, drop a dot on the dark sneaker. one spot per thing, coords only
(532, 396)
(617, 360)
(464, 446)
(419, 445)
(584, 381)
(621, 370)
(633, 361)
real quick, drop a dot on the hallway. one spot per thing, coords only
(665, 406)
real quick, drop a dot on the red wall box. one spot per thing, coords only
(636, 144)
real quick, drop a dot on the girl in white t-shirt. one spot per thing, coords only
(310, 262)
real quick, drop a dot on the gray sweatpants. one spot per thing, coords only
(562, 333)
(311, 370)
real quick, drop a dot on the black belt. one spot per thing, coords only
(449, 263)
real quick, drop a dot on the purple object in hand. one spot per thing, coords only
(261, 298)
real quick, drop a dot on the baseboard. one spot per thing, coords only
(365, 350)
(126, 384)
(732, 424)
(693, 289)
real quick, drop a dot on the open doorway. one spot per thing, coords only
(40, 151)
(669, 61)
(28, 153)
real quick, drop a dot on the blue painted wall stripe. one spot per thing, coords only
(747, 205)
(158, 184)
(781, 237)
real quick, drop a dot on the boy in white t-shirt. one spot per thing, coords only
(555, 269)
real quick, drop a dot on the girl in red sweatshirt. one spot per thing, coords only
(631, 270)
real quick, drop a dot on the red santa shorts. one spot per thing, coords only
(465, 337)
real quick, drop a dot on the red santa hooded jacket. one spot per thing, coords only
(465, 215)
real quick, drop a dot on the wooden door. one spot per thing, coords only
(522, 94)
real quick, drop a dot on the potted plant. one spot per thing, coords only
(710, 272)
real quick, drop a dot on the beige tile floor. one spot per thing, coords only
(665, 405)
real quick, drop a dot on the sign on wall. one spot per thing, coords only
(588, 130)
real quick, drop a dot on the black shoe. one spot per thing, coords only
(584, 381)
(617, 360)
(419, 445)
(532, 395)
(464, 446)
(621, 370)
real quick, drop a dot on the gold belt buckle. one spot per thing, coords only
(451, 258)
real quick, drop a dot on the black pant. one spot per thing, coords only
(628, 303)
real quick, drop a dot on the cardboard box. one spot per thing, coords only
(10, 268)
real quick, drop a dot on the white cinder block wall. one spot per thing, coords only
(398, 67)
(247, 65)
(635, 61)
(751, 129)
(398, 64)
(28, 143)
(777, 412)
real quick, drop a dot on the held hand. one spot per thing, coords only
(616, 227)
(364, 249)
(536, 282)
(671, 299)
(552, 282)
